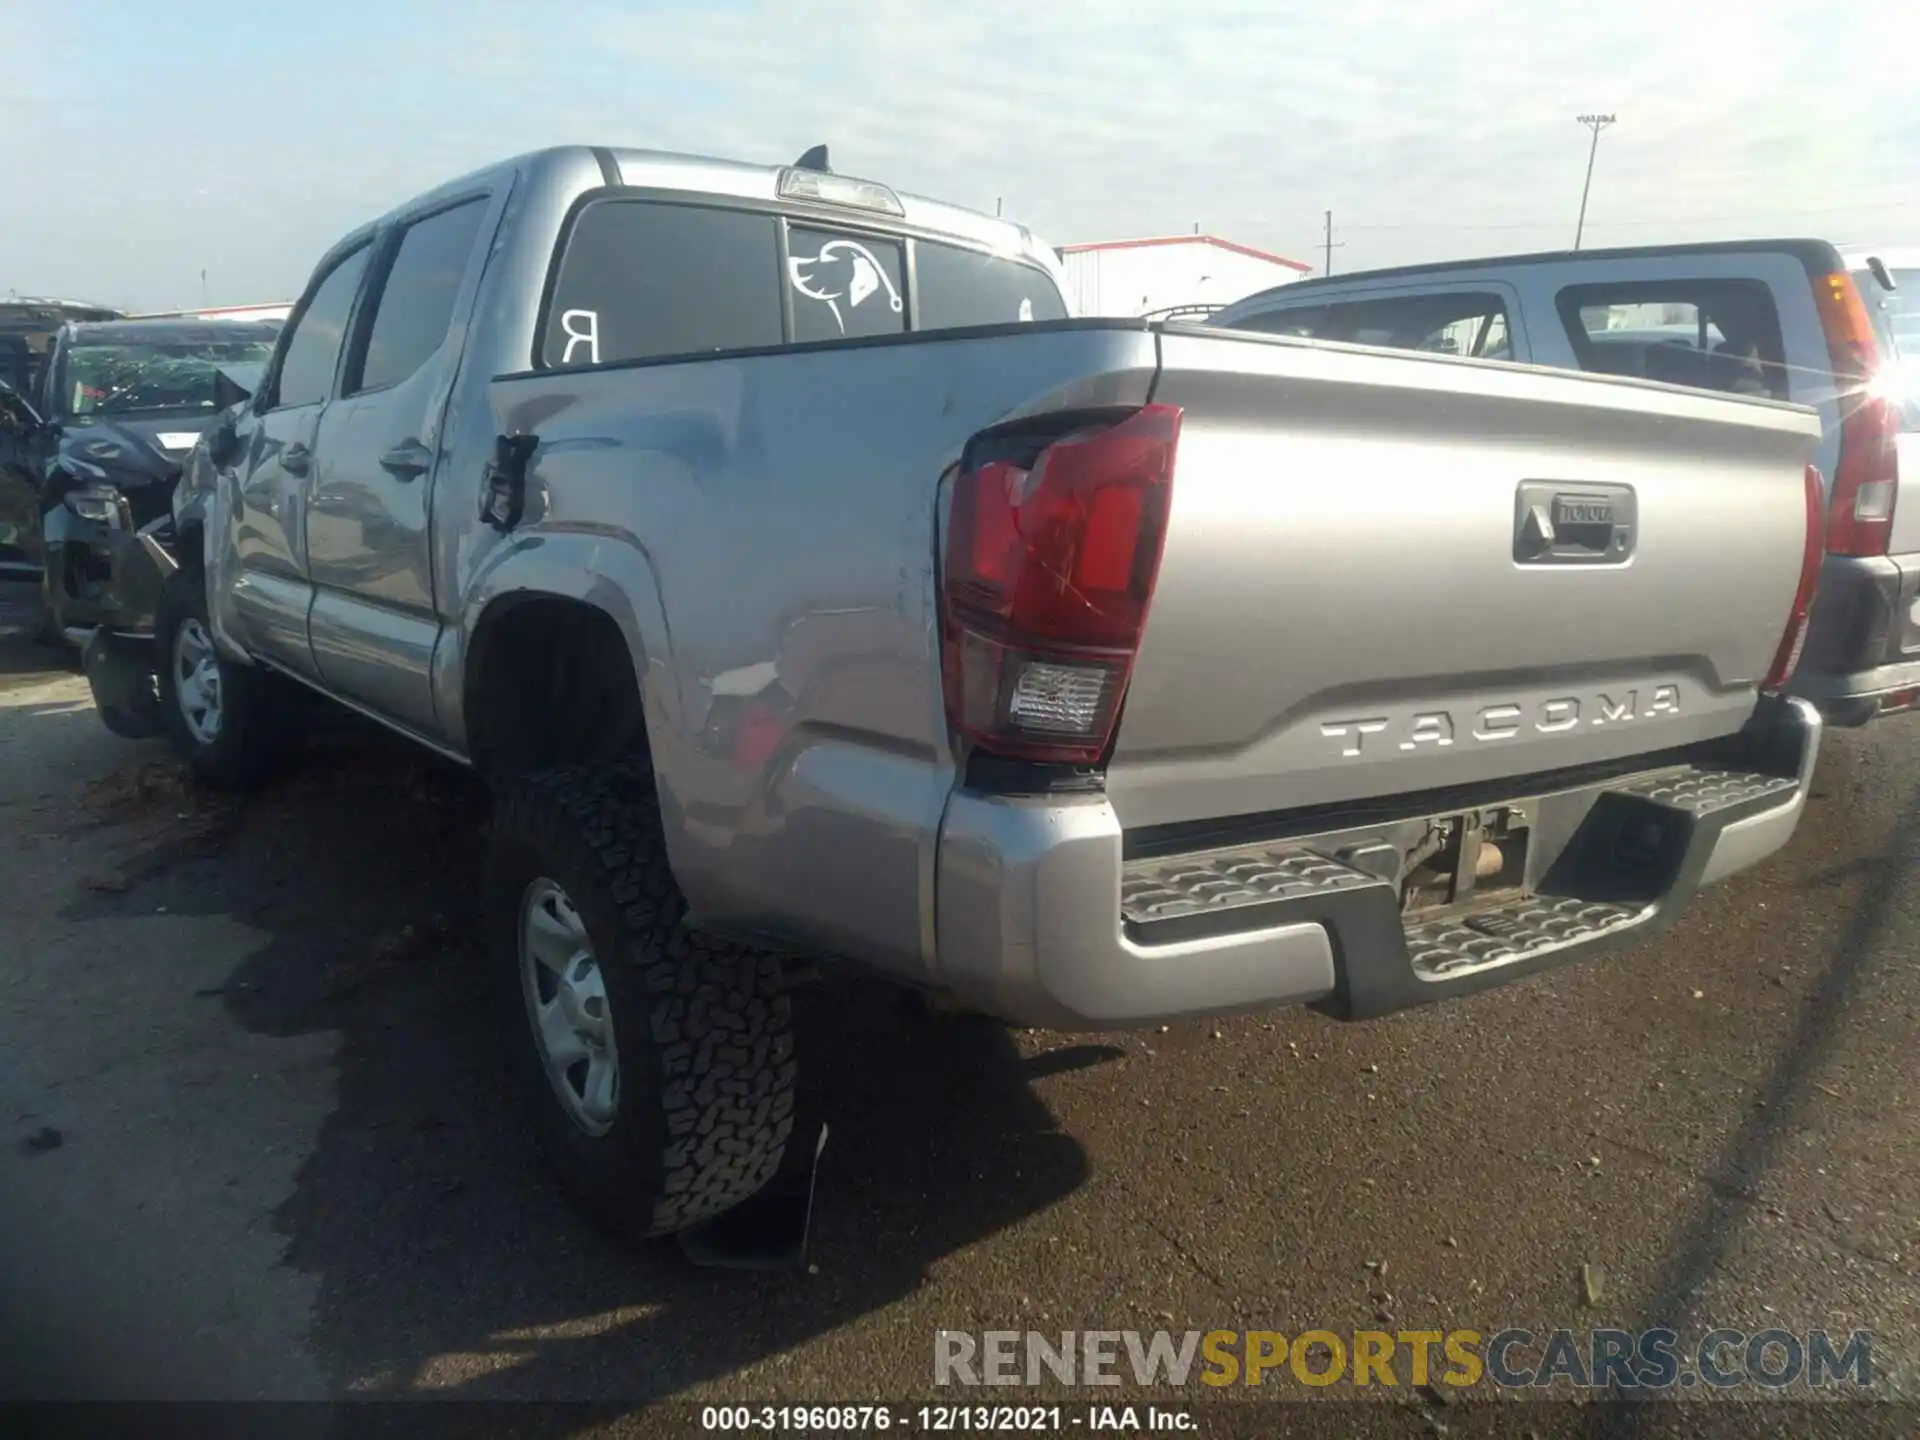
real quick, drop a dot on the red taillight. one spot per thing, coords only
(1795, 637)
(1866, 476)
(1048, 570)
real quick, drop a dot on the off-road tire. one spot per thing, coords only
(257, 733)
(703, 1028)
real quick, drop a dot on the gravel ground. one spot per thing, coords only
(258, 1141)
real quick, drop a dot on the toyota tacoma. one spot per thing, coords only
(807, 583)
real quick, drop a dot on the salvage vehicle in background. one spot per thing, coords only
(269, 310)
(805, 582)
(27, 328)
(120, 403)
(1888, 278)
(1891, 274)
(19, 488)
(1778, 318)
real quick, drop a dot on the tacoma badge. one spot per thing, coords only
(1437, 729)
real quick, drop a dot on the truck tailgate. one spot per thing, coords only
(1360, 597)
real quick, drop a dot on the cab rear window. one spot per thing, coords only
(646, 279)
(964, 287)
(845, 285)
(638, 281)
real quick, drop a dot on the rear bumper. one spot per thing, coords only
(1041, 919)
(1863, 647)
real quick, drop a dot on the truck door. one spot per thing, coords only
(373, 624)
(271, 591)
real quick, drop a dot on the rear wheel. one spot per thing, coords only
(229, 722)
(656, 1064)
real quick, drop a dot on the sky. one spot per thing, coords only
(146, 143)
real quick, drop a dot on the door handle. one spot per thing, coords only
(1573, 524)
(407, 461)
(296, 459)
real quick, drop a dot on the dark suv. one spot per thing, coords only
(95, 454)
(27, 328)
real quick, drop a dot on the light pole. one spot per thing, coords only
(1595, 123)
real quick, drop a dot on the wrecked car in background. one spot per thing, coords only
(115, 410)
(27, 328)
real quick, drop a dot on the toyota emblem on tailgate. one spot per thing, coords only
(1582, 510)
(1581, 523)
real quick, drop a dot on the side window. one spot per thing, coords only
(1707, 334)
(639, 279)
(46, 374)
(1452, 323)
(1494, 343)
(42, 379)
(844, 285)
(1470, 323)
(1482, 335)
(416, 298)
(313, 347)
(1301, 321)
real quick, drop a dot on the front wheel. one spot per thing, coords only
(656, 1064)
(227, 721)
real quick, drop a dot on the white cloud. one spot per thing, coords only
(1428, 130)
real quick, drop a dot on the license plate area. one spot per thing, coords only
(1466, 861)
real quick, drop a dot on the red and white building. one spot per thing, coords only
(1139, 277)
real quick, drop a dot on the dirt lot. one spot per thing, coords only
(260, 1144)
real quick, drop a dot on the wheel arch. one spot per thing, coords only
(557, 578)
(551, 678)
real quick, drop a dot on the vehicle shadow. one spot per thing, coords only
(447, 1264)
(23, 660)
(1700, 1248)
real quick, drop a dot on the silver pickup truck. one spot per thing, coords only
(807, 583)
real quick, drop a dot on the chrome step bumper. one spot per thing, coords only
(1040, 920)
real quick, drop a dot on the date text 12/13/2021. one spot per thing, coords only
(944, 1419)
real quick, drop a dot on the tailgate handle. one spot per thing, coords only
(1559, 523)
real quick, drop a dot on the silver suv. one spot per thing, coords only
(1793, 320)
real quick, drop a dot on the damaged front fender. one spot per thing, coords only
(119, 658)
